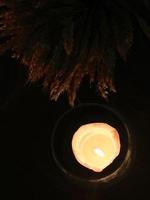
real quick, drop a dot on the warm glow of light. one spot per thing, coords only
(96, 145)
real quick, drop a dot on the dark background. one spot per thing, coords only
(27, 118)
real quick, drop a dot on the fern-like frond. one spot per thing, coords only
(60, 42)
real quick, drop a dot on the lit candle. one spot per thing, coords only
(96, 145)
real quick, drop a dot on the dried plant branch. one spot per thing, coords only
(62, 41)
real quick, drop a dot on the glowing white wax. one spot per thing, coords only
(96, 145)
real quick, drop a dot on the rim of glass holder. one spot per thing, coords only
(116, 174)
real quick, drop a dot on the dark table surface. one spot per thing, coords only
(28, 117)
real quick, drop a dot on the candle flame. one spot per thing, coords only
(99, 152)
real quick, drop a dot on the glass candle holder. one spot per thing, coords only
(70, 170)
